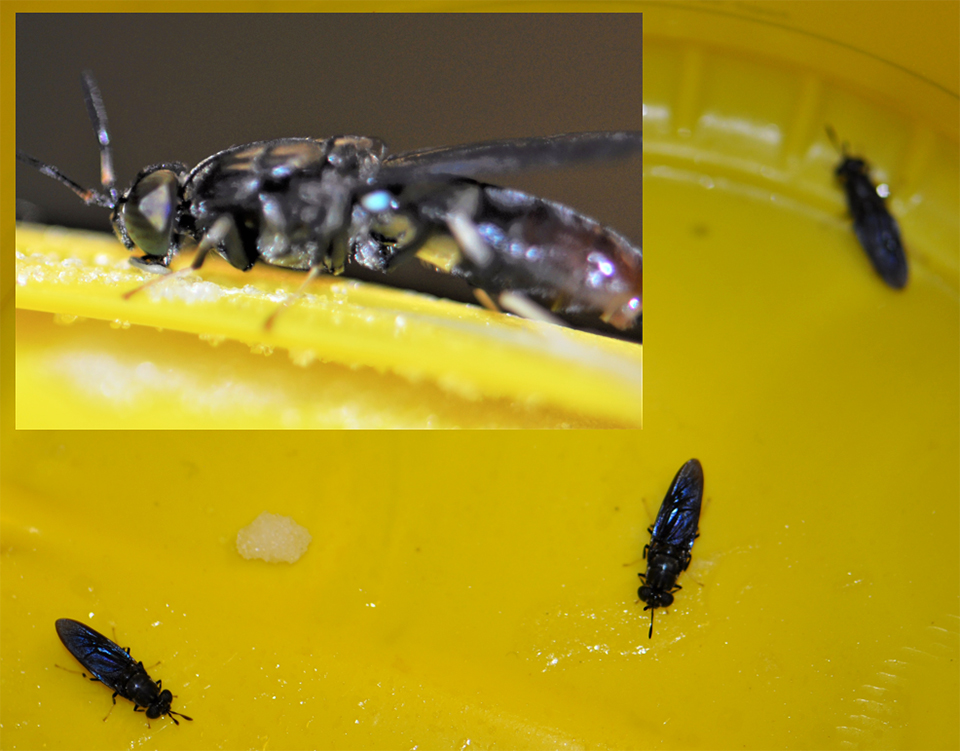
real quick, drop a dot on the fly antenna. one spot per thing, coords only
(652, 610)
(89, 196)
(832, 135)
(98, 117)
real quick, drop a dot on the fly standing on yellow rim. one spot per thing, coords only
(313, 203)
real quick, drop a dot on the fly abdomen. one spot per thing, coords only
(562, 256)
(504, 240)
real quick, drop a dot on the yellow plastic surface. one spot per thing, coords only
(190, 352)
(472, 590)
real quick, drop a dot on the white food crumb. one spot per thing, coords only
(273, 538)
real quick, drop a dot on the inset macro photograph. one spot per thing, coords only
(329, 221)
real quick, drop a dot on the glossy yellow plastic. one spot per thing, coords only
(478, 590)
(194, 352)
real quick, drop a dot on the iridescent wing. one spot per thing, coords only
(679, 514)
(509, 155)
(878, 233)
(104, 659)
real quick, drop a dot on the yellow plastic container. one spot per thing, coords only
(478, 590)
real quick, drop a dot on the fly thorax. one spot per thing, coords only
(140, 688)
(273, 242)
(662, 570)
(357, 156)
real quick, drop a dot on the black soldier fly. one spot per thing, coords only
(313, 204)
(873, 224)
(113, 666)
(671, 538)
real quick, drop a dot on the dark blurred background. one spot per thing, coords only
(182, 87)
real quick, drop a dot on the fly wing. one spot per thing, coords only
(878, 233)
(509, 155)
(106, 660)
(679, 514)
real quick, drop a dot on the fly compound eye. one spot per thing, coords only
(148, 212)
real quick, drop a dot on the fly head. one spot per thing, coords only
(655, 598)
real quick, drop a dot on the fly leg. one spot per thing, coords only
(516, 303)
(314, 272)
(138, 708)
(114, 697)
(460, 222)
(485, 300)
(410, 249)
(328, 259)
(222, 234)
(77, 672)
(521, 305)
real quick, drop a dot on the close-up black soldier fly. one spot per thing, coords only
(312, 204)
(671, 538)
(113, 666)
(875, 228)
